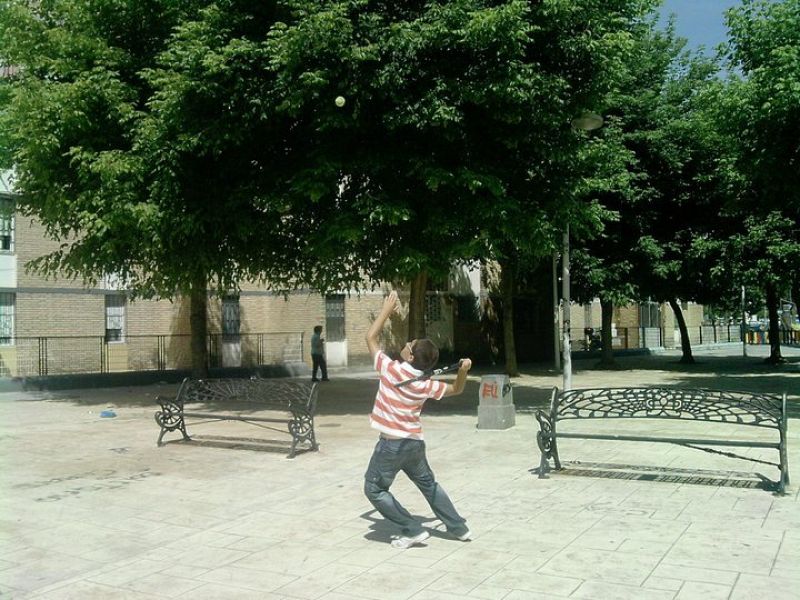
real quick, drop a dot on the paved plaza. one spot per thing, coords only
(91, 508)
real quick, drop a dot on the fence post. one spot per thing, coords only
(701, 335)
(161, 353)
(103, 355)
(42, 356)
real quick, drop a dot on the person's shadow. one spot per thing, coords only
(381, 530)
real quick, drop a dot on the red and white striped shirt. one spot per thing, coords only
(396, 410)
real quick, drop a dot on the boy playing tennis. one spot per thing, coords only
(395, 415)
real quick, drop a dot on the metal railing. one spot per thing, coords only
(57, 355)
(625, 338)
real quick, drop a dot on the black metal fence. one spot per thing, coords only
(50, 355)
(658, 337)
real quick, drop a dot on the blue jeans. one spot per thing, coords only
(393, 456)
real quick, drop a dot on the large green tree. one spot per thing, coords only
(454, 142)
(146, 137)
(760, 114)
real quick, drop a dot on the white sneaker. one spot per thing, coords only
(466, 536)
(404, 543)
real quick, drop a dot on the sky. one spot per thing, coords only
(701, 22)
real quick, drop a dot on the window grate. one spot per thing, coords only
(8, 301)
(334, 317)
(115, 317)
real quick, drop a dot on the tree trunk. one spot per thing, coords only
(198, 299)
(773, 302)
(607, 352)
(416, 306)
(686, 345)
(507, 291)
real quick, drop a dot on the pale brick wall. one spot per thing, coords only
(30, 243)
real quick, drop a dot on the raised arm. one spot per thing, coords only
(390, 304)
(455, 388)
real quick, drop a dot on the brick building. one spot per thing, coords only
(54, 326)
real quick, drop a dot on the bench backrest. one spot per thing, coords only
(760, 410)
(293, 395)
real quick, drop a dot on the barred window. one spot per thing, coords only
(6, 225)
(433, 308)
(334, 317)
(231, 318)
(115, 317)
(8, 302)
(650, 314)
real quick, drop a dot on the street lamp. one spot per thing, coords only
(588, 121)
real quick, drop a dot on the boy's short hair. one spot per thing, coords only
(425, 353)
(318, 329)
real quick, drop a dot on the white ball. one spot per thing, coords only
(340, 101)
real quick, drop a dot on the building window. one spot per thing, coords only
(433, 308)
(468, 309)
(231, 318)
(115, 318)
(334, 317)
(6, 225)
(650, 314)
(8, 301)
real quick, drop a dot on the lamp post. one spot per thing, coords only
(556, 316)
(586, 122)
(744, 327)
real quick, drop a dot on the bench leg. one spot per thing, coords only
(784, 467)
(546, 440)
(170, 418)
(301, 428)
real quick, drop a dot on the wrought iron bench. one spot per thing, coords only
(737, 408)
(234, 399)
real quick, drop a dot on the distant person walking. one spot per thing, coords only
(318, 355)
(400, 447)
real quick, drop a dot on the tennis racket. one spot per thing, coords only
(428, 375)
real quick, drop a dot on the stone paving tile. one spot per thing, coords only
(488, 592)
(472, 558)
(688, 573)
(695, 590)
(752, 555)
(37, 574)
(662, 583)
(432, 595)
(320, 582)
(126, 573)
(246, 578)
(532, 581)
(291, 558)
(749, 586)
(159, 584)
(338, 596)
(208, 556)
(603, 590)
(213, 591)
(388, 583)
(517, 595)
(457, 583)
(86, 590)
(617, 567)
